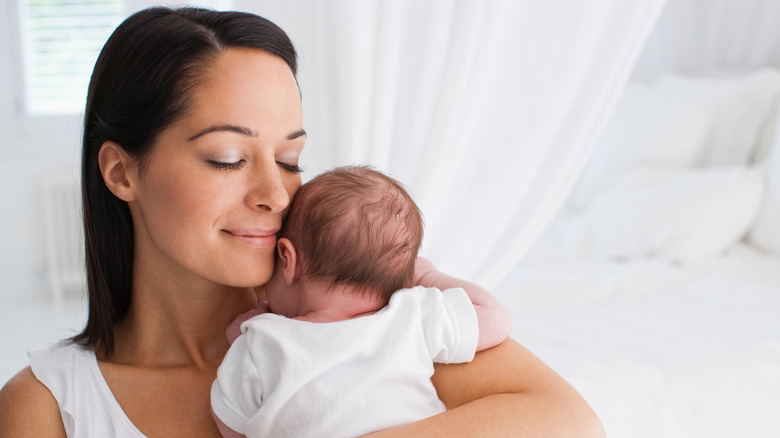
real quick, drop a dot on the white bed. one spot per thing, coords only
(659, 349)
(656, 293)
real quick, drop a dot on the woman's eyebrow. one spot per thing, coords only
(296, 134)
(227, 128)
(240, 130)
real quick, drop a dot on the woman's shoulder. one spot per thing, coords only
(28, 409)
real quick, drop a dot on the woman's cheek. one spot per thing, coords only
(293, 184)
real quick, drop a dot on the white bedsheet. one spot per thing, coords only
(659, 349)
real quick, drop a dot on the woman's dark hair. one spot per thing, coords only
(142, 83)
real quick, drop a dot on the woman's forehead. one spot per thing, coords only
(250, 89)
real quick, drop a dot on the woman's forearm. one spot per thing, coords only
(505, 391)
(503, 415)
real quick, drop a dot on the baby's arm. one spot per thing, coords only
(493, 320)
(237, 393)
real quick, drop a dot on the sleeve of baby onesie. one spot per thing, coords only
(450, 324)
(237, 393)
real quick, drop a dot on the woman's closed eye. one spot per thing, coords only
(227, 166)
(292, 168)
(236, 165)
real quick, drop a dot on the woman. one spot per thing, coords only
(193, 131)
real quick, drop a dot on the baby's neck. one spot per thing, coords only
(339, 304)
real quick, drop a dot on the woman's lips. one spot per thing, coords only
(256, 237)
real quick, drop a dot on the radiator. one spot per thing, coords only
(65, 274)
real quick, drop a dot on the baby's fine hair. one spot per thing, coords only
(358, 227)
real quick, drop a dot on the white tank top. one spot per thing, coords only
(87, 406)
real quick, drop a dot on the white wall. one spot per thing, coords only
(30, 149)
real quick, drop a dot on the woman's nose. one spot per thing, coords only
(267, 188)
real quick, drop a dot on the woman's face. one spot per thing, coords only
(216, 185)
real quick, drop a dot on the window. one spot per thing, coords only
(61, 40)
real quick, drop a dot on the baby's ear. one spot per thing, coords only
(288, 259)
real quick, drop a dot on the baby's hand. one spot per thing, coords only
(422, 266)
(234, 328)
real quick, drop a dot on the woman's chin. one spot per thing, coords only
(243, 277)
(247, 271)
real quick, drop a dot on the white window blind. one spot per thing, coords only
(61, 40)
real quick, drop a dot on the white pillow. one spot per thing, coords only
(766, 232)
(684, 215)
(740, 107)
(647, 128)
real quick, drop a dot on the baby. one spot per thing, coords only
(349, 346)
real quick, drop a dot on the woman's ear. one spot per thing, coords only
(118, 170)
(288, 259)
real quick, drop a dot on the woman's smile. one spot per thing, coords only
(257, 237)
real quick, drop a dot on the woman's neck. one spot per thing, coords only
(178, 324)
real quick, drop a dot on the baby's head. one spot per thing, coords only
(354, 226)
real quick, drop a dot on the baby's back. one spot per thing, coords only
(346, 378)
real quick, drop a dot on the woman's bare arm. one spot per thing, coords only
(504, 391)
(27, 409)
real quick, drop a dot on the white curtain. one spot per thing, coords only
(486, 110)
